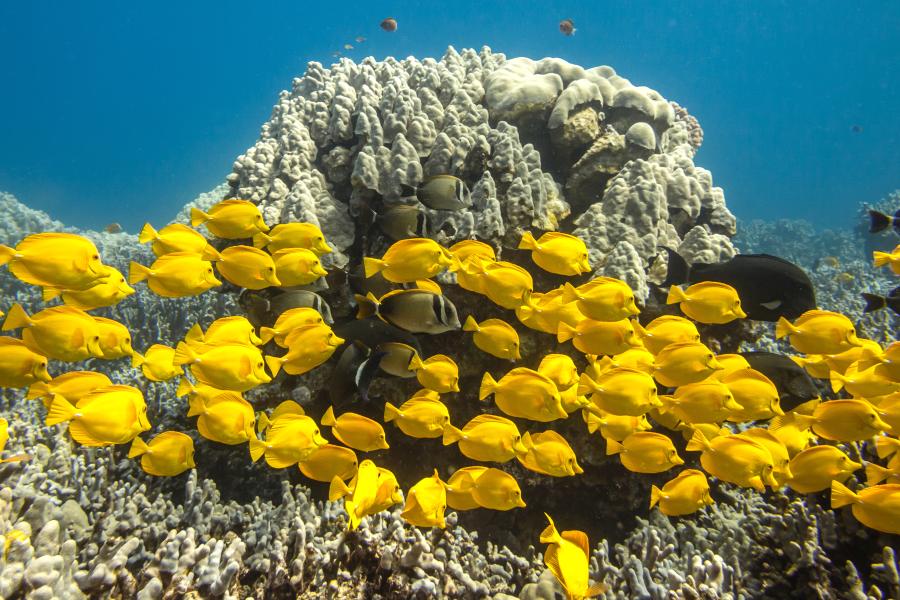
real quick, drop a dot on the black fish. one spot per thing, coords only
(401, 221)
(415, 310)
(769, 287)
(264, 306)
(794, 384)
(878, 221)
(353, 374)
(876, 302)
(440, 192)
(373, 332)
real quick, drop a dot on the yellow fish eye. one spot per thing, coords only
(96, 257)
(709, 357)
(259, 365)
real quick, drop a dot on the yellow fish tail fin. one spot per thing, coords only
(391, 412)
(676, 295)
(565, 332)
(366, 306)
(210, 254)
(373, 266)
(354, 519)
(666, 401)
(655, 496)
(875, 474)
(198, 217)
(137, 272)
(784, 327)
(138, 447)
(488, 386)
(841, 495)
(261, 240)
(274, 363)
(147, 234)
(16, 318)
(137, 359)
(698, 443)
(338, 489)
(266, 334)
(415, 363)
(15, 458)
(6, 254)
(586, 385)
(550, 535)
(196, 406)
(257, 449)
(569, 294)
(528, 242)
(471, 324)
(884, 445)
(194, 334)
(263, 422)
(328, 418)
(614, 447)
(184, 388)
(49, 293)
(451, 435)
(837, 381)
(801, 421)
(184, 355)
(37, 390)
(60, 412)
(879, 259)
(595, 590)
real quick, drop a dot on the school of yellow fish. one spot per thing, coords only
(617, 394)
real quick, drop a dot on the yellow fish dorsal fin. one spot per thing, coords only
(288, 407)
(551, 559)
(579, 538)
(550, 436)
(485, 418)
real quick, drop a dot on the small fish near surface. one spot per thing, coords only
(878, 221)
(769, 287)
(567, 27)
(875, 302)
(389, 24)
(440, 192)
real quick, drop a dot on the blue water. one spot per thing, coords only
(116, 111)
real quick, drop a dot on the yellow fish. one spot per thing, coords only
(115, 414)
(892, 258)
(157, 364)
(360, 497)
(886, 446)
(422, 416)
(708, 302)
(288, 321)
(411, 259)
(682, 363)
(470, 250)
(487, 438)
(293, 235)
(795, 436)
(613, 427)
(600, 337)
(175, 237)
(290, 438)
(703, 402)
(245, 266)
(426, 502)
(818, 332)
(781, 467)
(645, 452)
(815, 365)
(230, 219)
(485, 487)
(665, 330)
(687, 493)
(494, 336)
(71, 387)
(560, 369)
(168, 454)
(815, 468)
(866, 355)
(571, 402)
(20, 366)
(388, 493)
(234, 367)
(225, 417)
(438, 373)
(875, 474)
(330, 461)
(57, 260)
(308, 347)
(557, 252)
(61, 332)
(359, 432)
(524, 393)
(730, 363)
(224, 330)
(544, 312)
(757, 395)
(741, 461)
(640, 359)
(109, 292)
(602, 299)
(621, 391)
(504, 283)
(877, 507)
(549, 454)
(115, 339)
(889, 411)
(175, 275)
(874, 381)
(567, 557)
(839, 420)
(297, 266)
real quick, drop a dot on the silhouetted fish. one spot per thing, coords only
(878, 221)
(875, 302)
(794, 384)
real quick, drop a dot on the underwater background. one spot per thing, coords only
(716, 130)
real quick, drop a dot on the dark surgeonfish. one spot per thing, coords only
(264, 306)
(875, 302)
(353, 374)
(878, 221)
(769, 287)
(440, 192)
(414, 310)
(793, 383)
(401, 221)
(373, 332)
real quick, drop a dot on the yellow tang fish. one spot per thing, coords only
(600, 337)
(877, 507)
(524, 393)
(422, 416)
(886, 446)
(645, 452)
(504, 283)
(890, 357)
(244, 266)
(230, 219)
(330, 461)
(290, 438)
(781, 460)
(875, 474)
(795, 436)
(234, 367)
(224, 330)
(708, 302)
(560, 369)
(20, 366)
(109, 292)
(71, 387)
(354, 430)
(741, 461)
(426, 502)
(602, 299)
(613, 427)
(815, 468)
(288, 321)
(687, 493)
(115, 339)
(621, 391)
(308, 347)
(494, 336)
(665, 330)
(61, 332)
(640, 359)
(889, 411)
(467, 248)
(225, 418)
(115, 414)
(388, 493)
(866, 355)
(556, 252)
(487, 438)
(360, 496)
(411, 259)
(175, 275)
(56, 260)
(168, 454)
(730, 363)
(682, 363)
(814, 364)
(4, 439)
(158, 363)
(438, 373)
(839, 420)
(874, 381)
(549, 454)
(485, 487)
(175, 237)
(703, 402)
(293, 235)
(818, 332)
(567, 557)
(297, 266)
(571, 401)
(544, 312)
(756, 394)
(880, 259)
